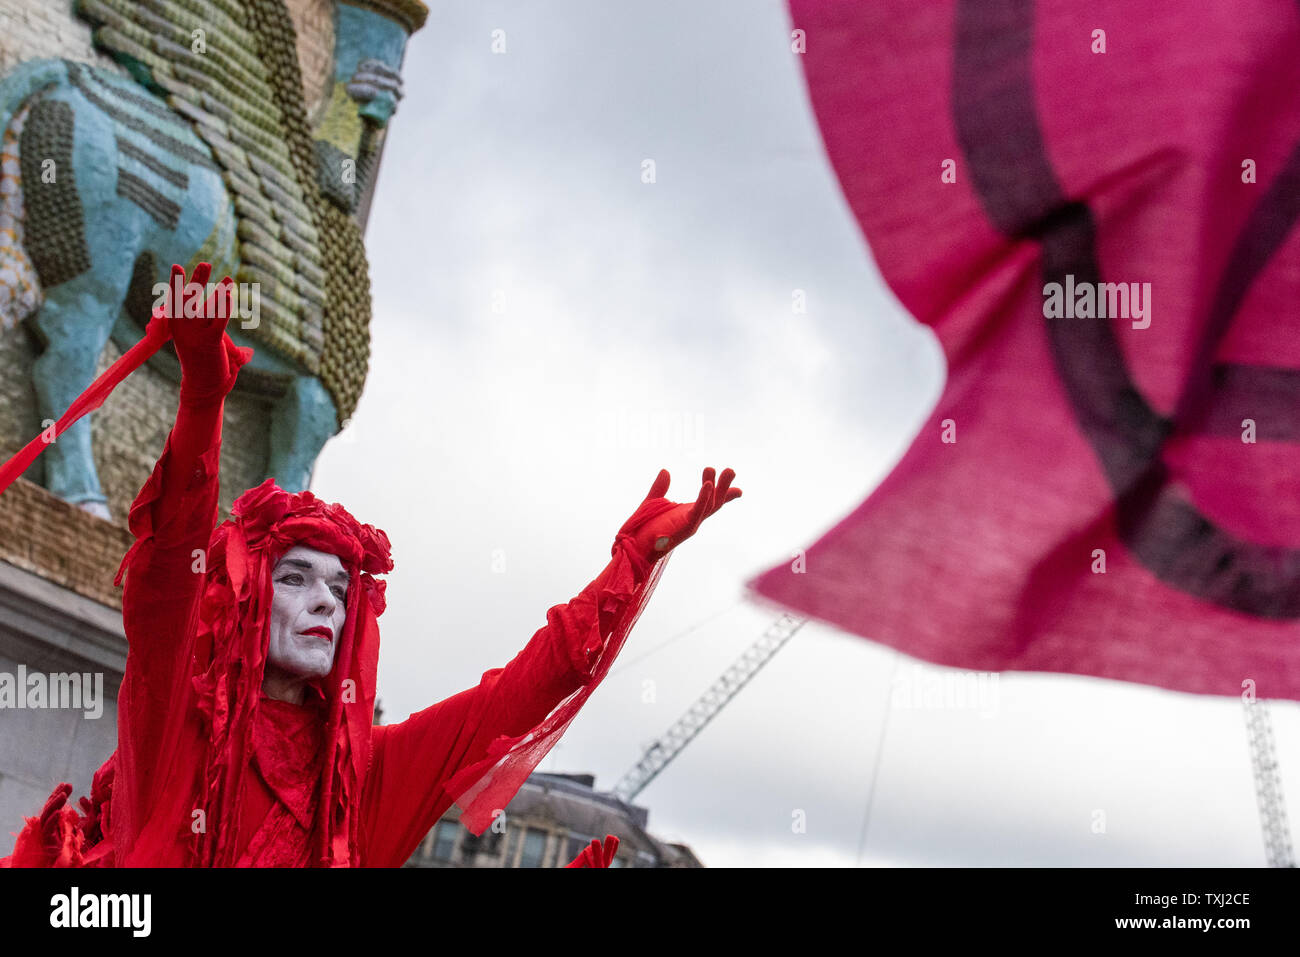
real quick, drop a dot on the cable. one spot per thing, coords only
(875, 771)
(624, 665)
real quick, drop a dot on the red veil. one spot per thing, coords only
(230, 657)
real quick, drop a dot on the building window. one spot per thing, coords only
(558, 844)
(426, 846)
(574, 846)
(534, 847)
(444, 843)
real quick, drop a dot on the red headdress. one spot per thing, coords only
(230, 658)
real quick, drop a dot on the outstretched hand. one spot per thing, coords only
(197, 323)
(661, 534)
(51, 840)
(597, 854)
(197, 320)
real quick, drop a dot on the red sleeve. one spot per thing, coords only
(410, 782)
(172, 519)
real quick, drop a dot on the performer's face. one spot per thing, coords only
(310, 602)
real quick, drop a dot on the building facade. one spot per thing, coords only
(547, 824)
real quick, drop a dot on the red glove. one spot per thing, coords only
(53, 839)
(210, 361)
(198, 327)
(669, 523)
(594, 855)
(96, 821)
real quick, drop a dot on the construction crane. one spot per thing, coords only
(661, 752)
(1268, 784)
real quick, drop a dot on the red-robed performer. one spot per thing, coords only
(245, 717)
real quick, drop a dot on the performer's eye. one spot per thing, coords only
(293, 578)
(340, 593)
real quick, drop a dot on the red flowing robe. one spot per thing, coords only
(384, 786)
(405, 789)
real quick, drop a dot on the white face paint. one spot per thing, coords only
(307, 613)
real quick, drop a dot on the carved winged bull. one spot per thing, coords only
(200, 149)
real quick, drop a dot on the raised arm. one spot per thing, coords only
(173, 515)
(172, 519)
(209, 364)
(510, 719)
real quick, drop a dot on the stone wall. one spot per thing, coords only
(32, 29)
(40, 749)
(73, 549)
(46, 630)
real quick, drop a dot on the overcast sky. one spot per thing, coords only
(550, 331)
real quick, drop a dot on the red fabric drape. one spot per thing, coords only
(156, 335)
(1109, 494)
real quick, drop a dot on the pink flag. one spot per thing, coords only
(1093, 205)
